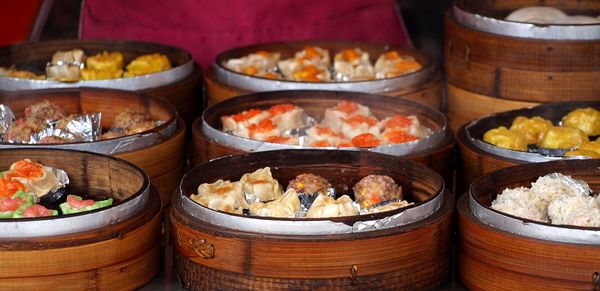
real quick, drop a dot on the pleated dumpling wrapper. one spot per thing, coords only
(261, 184)
(562, 137)
(222, 195)
(285, 206)
(353, 65)
(505, 138)
(533, 128)
(325, 206)
(38, 179)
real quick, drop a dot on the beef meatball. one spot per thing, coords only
(310, 184)
(374, 189)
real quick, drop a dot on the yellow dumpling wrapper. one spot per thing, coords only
(89, 74)
(586, 119)
(561, 137)
(221, 195)
(505, 138)
(593, 146)
(105, 61)
(533, 128)
(147, 64)
(584, 153)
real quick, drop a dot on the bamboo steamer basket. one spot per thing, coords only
(119, 250)
(436, 153)
(493, 65)
(476, 158)
(424, 86)
(214, 252)
(523, 254)
(181, 85)
(159, 152)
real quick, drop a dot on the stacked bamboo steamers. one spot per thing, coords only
(499, 73)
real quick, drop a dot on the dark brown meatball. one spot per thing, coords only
(310, 184)
(374, 189)
(45, 110)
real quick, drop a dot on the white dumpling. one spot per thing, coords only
(390, 206)
(320, 135)
(285, 206)
(254, 64)
(335, 116)
(550, 187)
(536, 14)
(575, 210)
(287, 116)
(352, 65)
(519, 202)
(325, 206)
(261, 184)
(222, 195)
(359, 124)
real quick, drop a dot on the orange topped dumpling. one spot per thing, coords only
(261, 63)
(352, 65)
(393, 64)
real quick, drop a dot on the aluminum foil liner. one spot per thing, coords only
(86, 127)
(7, 117)
(580, 185)
(61, 176)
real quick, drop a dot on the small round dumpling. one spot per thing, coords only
(586, 119)
(560, 137)
(374, 189)
(504, 138)
(536, 14)
(533, 128)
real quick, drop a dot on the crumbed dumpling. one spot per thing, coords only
(532, 128)
(575, 210)
(586, 119)
(505, 138)
(285, 206)
(561, 137)
(222, 195)
(519, 202)
(352, 65)
(548, 188)
(147, 64)
(325, 206)
(262, 184)
(45, 110)
(393, 64)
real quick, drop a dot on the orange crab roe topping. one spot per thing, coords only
(347, 107)
(359, 119)
(281, 108)
(270, 75)
(263, 126)
(308, 73)
(246, 115)
(398, 121)
(311, 52)
(263, 53)
(26, 169)
(392, 55)
(320, 143)
(250, 70)
(349, 55)
(8, 187)
(399, 136)
(406, 66)
(365, 140)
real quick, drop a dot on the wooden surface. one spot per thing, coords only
(385, 259)
(465, 106)
(440, 158)
(125, 255)
(428, 93)
(528, 70)
(162, 161)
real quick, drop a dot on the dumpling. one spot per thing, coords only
(147, 64)
(583, 153)
(365, 140)
(560, 137)
(65, 65)
(286, 116)
(37, 178)
(309, 186)
(392, 64)
(311, 73)
(519, 202)
(263, 130)
(390, 206)
(409, 124)
(352, 65)
(258, 63)
(285, 206)
(222, 195)
(238, 123)
(359, 124)
(309, 64)
(283, 139)
(261, 184)
(586, 119)
(532, 128)
(505, 138)
(536, 14)
(323, 136)
(575, 210)
(374, 189)
(325, 206)
(104, 65)
(335, 116)
(550, 187)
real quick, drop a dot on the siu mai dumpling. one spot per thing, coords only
(575, 210)
(359, 124)
(311, 73)
(322, 136)
(560, 137)
(505, 138)
(532, 128)
(313, 55)
(392, 64)
(286, 116)
(390, 206)
(37, 178)
(238, 123)
(586, 119)
(325, 206)
(352, 65)
(285, 206)
(262, 184)
(335, 116)
(222, 195)
(263, 130)
(260, 62)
